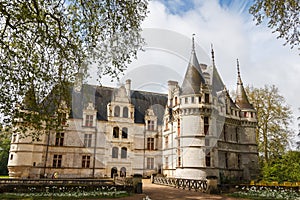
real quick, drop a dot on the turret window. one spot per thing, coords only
(207, 158)
(176, 101)
(193, 99)
(226, 160)
(186, 100)
(206, 126)
(206, 98)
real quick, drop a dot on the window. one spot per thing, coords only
(239, 161)
(150, 125)
(167, 162)
(87, 140)
(167, 142)
(185, 100)
(117, 111)
(57, 160)
(11, 156)
(150, 163)
(206, 126)
(207, 159)
(199, 99)
(123, 152)
(206, 98)
(59, 140)
(166, 125)
(14, 138)
(193, 99)
(124, 133)
(178, 127)
(245, 114)
(237, 136)
(125, 112)
(176, 101)
(150, 144)
(86, 160)
(115, 152)
(116, 132)
(207, 142)
(89, 120)
(226, 160)
(179, 161)
(225, 132)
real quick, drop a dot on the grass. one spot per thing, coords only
(4, 176)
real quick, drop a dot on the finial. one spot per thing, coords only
(193, 42)
(212, 54)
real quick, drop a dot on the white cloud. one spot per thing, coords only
(263, 58)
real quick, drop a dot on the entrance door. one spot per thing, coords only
(114, 170)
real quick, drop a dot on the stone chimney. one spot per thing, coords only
(128, 87)
(172, 86)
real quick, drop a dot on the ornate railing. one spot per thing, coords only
(190, 184)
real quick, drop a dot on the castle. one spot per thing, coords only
(195, 131)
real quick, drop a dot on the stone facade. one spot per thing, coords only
(194, 131)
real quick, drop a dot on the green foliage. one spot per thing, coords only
(282, 16)
(4, 151)
(285, 168)
(45, 45)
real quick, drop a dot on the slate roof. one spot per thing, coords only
(101, 96)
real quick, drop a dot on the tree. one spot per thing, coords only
(282, 16)
(4, 150)
(284, 168)
(274, 117)
(45, 44)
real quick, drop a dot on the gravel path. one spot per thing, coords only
(160, 192)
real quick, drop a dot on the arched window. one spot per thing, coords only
(124, 152)
(117, 111)
(123, 172)
(125, 133)
(115, 152)
(125, 112)
(116, 132)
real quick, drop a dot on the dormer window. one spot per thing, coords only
(62, 118)
(192, 99)
(150, 125)
(117, 111)
(89, 120)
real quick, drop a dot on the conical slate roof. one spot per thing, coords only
(241, 96)
(193, 76)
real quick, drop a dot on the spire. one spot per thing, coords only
(241, 96)
(193, 76)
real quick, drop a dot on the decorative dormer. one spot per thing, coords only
(63, 113)
(120, 108)
(151, 120)
(89, 115)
